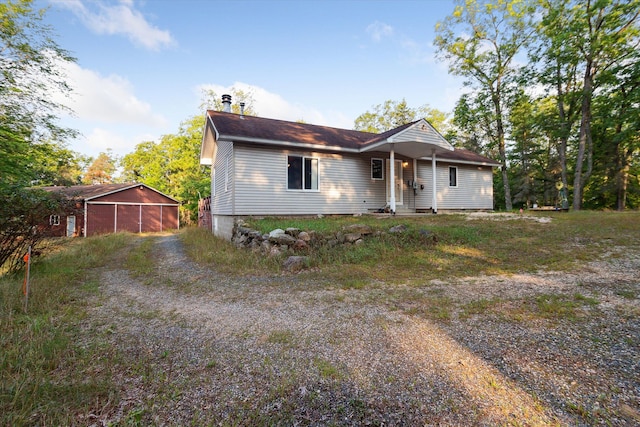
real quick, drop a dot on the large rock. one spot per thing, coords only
(282, 239)
(276, 232)
(352, 237)
(304, 236)
(358, 228)
(295, 263)
(292, 231)
(300, 245)
(398, 229)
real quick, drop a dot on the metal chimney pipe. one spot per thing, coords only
(242, 109)
(226, 103)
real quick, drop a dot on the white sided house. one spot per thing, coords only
(272, 167)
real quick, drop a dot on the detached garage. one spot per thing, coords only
(112, 208)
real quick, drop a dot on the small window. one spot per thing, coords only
(453, 176)
(377, 169)
(54, 219)
(302, 173)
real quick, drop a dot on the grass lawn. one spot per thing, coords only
(53, 371)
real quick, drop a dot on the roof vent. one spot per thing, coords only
(226, 103)
(242, 109)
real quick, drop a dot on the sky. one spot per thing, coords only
(142, 64)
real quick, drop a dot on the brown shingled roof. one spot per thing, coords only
(85, 192)
(235, 125)
(464, 155)
(232, 125)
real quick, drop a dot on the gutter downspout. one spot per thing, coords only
(434, 201)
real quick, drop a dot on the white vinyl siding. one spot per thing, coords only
(474, 190)
(222, 200)
(423, 132)
(344, 181)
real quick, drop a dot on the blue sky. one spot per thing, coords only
(142, 64)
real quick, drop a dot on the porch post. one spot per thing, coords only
(434, 201)
(392, 180)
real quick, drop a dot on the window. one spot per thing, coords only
(377, 169)
(302, 173)
(453, 176)
(54, 219)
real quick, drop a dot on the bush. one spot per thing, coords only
(24, 217)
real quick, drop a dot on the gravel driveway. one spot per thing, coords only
(191, 347)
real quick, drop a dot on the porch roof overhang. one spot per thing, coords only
(415, 140)
(411, 149)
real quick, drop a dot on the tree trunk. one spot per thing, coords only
(622, 180)
(584, 139)
(564, 126)
(501, 149)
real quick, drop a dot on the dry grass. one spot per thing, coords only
(499, 323)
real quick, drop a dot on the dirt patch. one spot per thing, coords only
(190, 346)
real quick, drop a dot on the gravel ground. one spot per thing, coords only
(191, 347)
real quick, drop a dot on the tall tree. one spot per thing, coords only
(392, 114)
(53, 164)
(102, 169)
(29, 72)
(172, 166)
(480, 40)
(601, 33)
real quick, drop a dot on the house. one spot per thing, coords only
(112, 208)
(264, 167)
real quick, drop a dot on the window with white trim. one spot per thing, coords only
(453, 176)
(54, 219)
(377, 169)
(302, 173)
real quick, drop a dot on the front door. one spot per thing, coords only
(71, 225)
(397, 182)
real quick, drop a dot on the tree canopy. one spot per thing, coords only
(392, 114)
(29, 72)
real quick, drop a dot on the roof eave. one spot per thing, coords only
(288, 143)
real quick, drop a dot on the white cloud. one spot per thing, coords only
(122, 19)
(378, 30)
(99, 140)
(107, 99)
(273, 106)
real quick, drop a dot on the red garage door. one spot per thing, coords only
(100, 219)
(134, 218)
(128, 218)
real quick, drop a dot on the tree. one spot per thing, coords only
(601, 34)
(53, 164)
(23, 216)
(480, 40)
(29, 72)
(211, 101)
(172, 166)
(392, 114)
(101, 170)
